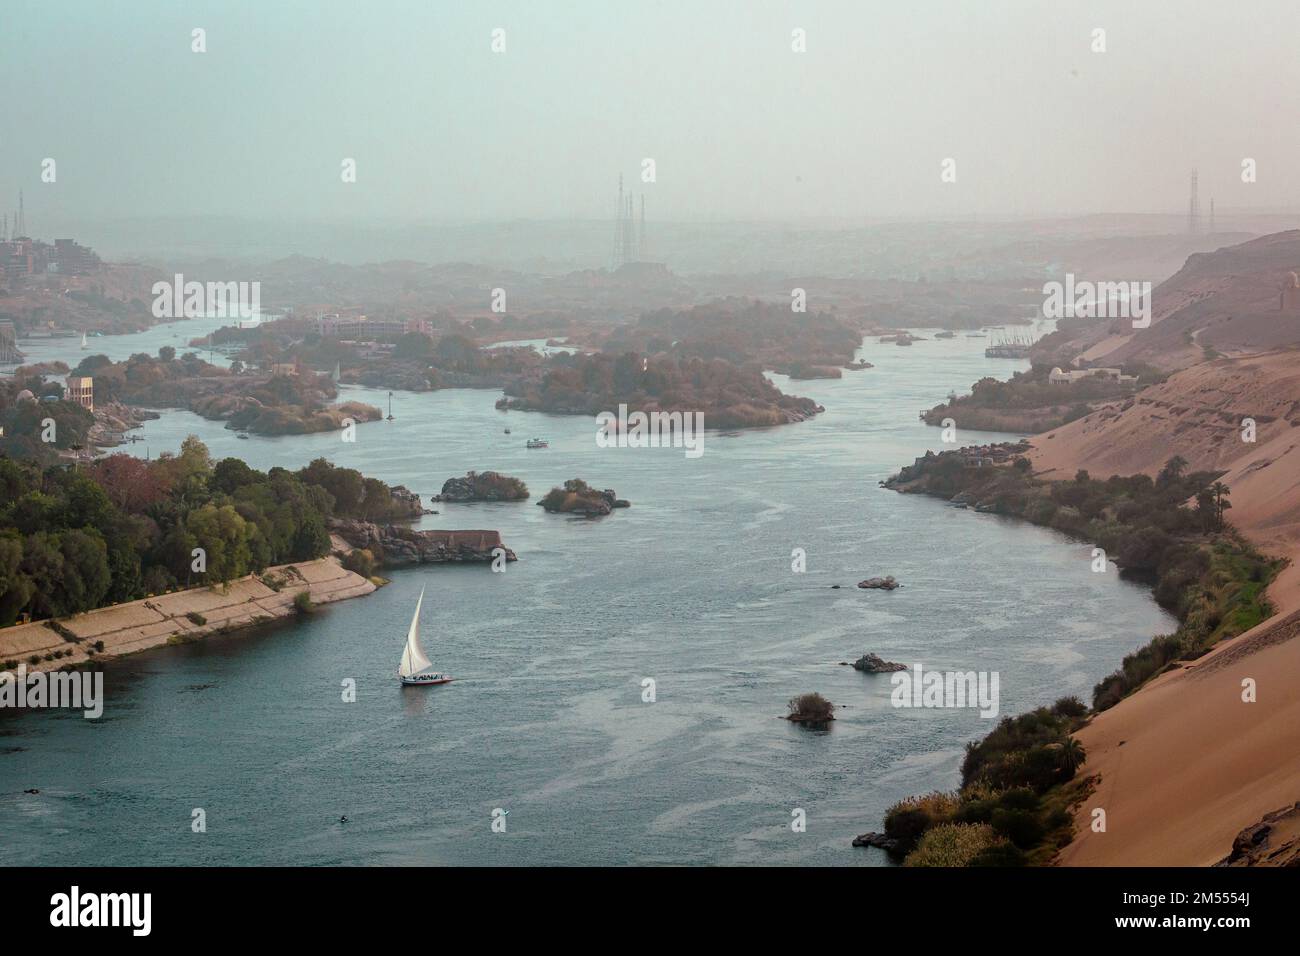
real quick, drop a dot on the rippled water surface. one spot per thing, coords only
(692, 587)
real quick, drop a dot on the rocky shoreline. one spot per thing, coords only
(394, 546)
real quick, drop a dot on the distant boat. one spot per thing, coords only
(507, 431)
(390, 406)
(242, 435)
(84, 343)
(538, 443)
(414, 668)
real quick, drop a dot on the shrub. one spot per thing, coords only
(976, 811)
(952, 844)
(360, 561)
(1021, 827)
(302, 602)
(1001, 853)
(811, 707)
(11, 665)
(1060, 817)
(907, 820)
(1019, 798)
(1070, 707)
(197, 618)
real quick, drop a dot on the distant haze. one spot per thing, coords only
(739, 126)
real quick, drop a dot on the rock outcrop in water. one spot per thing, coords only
(875, 664)
(483, 486)
(879, 840)
(579, 498)
(886, 583)
(395, 546)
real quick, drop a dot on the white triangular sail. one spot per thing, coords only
(413, 659)
(83, 340)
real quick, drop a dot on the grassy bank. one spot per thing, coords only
(1019, 782)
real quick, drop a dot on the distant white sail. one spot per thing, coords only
(83, 340)
(413, 659)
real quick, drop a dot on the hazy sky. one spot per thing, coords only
(740, 126)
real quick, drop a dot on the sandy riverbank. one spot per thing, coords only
(151, 622)
(1184, 765)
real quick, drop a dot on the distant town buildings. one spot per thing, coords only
(9, 353)
(360, 328)
(81, 389)
(24, 256)
(1058, 377)
(21, 255)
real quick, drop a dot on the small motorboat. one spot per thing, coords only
(507, 431)
(243, 435)
(414, 669)
(538, 443)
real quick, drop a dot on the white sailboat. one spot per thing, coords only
(414, 666)
(83, 341)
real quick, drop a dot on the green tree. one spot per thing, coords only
(85, 578)
(1221, 502)
(43, 566)
(15, 586)
(1172, 471)
(1072, 755)
(223, 536)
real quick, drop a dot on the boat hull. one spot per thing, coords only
(418, 681)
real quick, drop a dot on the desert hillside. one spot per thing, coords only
(1184, 764)
(1225, 302)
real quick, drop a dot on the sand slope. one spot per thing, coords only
(1226, 301)
(1184, 764)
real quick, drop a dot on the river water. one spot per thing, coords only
(692, 587)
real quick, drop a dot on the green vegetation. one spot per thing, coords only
(729, 396)
(122, 528)
(484, 486)
(1018, 783)
(302, 603)
(1028, 402)
(38, 428)
(1199, 567)
(1013, 806)
(360, 561)
(742, 333)
(196, 618)
(578, 497)
(1225, 600)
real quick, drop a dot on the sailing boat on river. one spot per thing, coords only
(414, 668)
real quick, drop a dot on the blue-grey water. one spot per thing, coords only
(692, 587)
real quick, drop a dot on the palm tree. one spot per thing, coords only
(1072, 755)
(1221, 502)
(1172, 471)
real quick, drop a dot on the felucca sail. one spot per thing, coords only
(413, 659)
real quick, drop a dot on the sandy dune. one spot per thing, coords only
(1184, 764)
